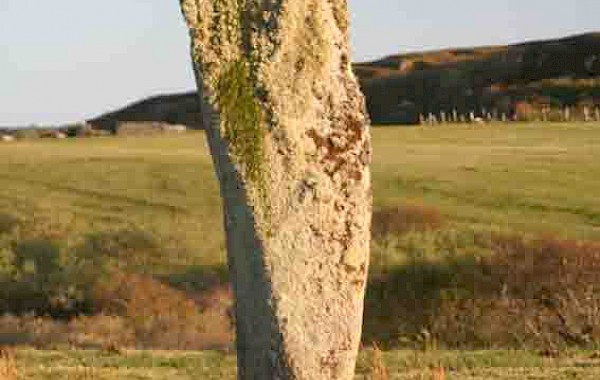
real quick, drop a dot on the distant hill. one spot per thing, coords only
(553, 72)
(400, 87)
(174, 109)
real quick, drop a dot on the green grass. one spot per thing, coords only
(163, 185)
(98, 365)
(519, 178)
(523, 178)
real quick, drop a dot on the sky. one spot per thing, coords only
(66, 60)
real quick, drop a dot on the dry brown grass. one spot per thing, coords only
(438, 373)
(402, 219)
(378, 369)
(539, 293)
(8, 364)
(164, 317)
(133, 311)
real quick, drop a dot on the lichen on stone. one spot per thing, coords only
(241, 118)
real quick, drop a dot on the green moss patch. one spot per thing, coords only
(242, 118)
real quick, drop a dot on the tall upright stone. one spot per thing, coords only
(443, 118)
(567, 114)
(586, 114)
(289, 136)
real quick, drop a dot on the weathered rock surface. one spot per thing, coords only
(289, 136)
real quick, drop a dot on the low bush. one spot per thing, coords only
(87, 294)
(430, 285)
(33, 278)
(161, 316)
(130, 248)
(132, 311)
(509, 291)
(45, 276)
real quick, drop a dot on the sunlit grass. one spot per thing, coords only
(509, 177)
(466, 180)
(520, 178)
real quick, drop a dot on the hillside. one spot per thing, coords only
(400, 87)
(174, 109)
(553, 72)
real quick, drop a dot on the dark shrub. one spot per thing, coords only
(522, 293)
(8, 223)
(129, 247)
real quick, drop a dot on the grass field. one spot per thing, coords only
(415, 365)
(525, 178)
(514, 180)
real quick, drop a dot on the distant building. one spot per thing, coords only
(84, 130)
(176, 109)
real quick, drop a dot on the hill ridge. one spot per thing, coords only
(400, 87)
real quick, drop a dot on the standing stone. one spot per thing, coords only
(454, 115)
(289, 136)
(567, 114)
(432, 119)
(586, 114)
(597, 113)
(545, 112)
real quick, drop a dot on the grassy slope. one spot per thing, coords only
(164, 185)
(524, 178)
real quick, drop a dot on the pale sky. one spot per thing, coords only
(67, 60)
